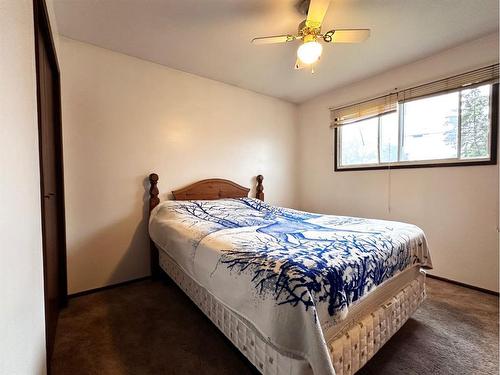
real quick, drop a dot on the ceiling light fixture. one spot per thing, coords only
(310, 51)
(310, 35)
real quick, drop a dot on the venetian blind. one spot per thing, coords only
(388, 103)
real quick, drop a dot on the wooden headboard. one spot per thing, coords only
(214, 188)
(210, 189)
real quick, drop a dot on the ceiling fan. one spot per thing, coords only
(309, 32)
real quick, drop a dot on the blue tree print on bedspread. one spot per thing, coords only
(304, 271)
(301, 262)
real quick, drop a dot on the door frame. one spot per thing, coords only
(41, 21)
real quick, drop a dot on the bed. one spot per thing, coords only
(295, 292)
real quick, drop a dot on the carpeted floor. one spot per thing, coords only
(153, 328)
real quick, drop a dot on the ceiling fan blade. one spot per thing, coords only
(316, 13)
(274, 39)
(346, 35)
(299, 64)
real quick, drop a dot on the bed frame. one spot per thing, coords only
(209, 189)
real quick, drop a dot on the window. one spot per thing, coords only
(454, 128)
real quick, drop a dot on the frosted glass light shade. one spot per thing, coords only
(309, 52)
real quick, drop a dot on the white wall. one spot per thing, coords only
(456, 207)
(124, 118)
(22, 322)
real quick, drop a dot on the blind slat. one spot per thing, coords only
(388, 103)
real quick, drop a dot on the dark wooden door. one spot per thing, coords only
(51, 173)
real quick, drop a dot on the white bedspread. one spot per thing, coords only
(291, 274)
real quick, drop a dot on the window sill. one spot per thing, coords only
(421, 165)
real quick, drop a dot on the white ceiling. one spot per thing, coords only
(211, 38)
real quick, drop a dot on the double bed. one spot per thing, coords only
(295, 292)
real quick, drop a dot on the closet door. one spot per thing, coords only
(51, 174)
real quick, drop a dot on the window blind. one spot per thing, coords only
(388, 103)
(364, 110)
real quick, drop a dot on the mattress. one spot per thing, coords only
(296, 278)
(368, 326)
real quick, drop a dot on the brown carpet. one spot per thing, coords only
(153, 328)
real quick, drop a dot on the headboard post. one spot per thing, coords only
(153, 191)
(260, 188)
(153, 202)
